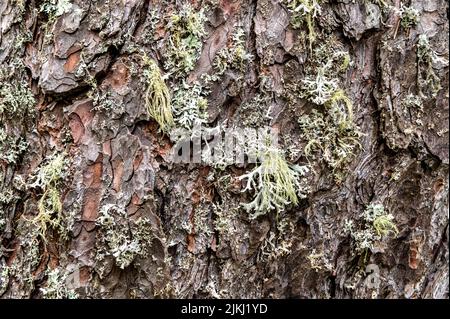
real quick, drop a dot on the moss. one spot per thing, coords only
(157, 96)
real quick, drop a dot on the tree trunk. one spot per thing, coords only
(93, 204)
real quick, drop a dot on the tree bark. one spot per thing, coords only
(74, 89)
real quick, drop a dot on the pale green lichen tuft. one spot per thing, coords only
(186, 29)
(275, 182)
(48, 178)
(235, 56)
(121, 237)
(304, 11)
(16, 98)
(189, 105)
(374, 225)
(55, 8)
(317, 88)
(11, 147)
(157, 96)
(331, 135)
(409, 16)
(57, 285)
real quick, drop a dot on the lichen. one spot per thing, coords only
(48, 178)
(318, 88)
(331, 137)
(304, 11)
(53, 9)
(186, 29)
(428, 81)
(234, 56)
(11, 147)
(373, 226)
(16, 98)
(328, 129)
(121, 237)
(279, 241)
(319, 262)
(189, 105)
(409, 16)
(276, 183)
(27, 259)
(56, 286)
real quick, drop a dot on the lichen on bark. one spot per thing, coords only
(357, 91)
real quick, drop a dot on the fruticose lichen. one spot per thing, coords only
(275, 182)
(331, 138)
(157, 96)
(121, 237)
(16, 98)
(304, 11)
(234, 56)
(57, 286)
(11, 147)
(374, 226)
(186, 29)
(428, 81)
(328, 130)
(189, 105)
(49, 179)
(409, 16)
(53, 9)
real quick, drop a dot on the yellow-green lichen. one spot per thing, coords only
(374, 225)
(331, 134)
(275, 182)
